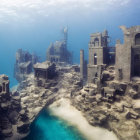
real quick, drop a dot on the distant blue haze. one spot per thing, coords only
(36, 36)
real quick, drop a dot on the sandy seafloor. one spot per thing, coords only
(65, 111)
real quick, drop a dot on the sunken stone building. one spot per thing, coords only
(43, 72)
(125, 56)
(24, 64)
(128, 55)
(58, 52)
(99, 56)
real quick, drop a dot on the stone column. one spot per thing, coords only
(82, 64)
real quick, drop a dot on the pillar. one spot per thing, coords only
(82, 64)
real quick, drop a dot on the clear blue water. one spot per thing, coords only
(47, 127)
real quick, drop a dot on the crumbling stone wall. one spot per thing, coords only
(98, 54)
(24, 64)
(128, 54)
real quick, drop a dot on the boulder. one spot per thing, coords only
(107, 76)
(23, 127)
(135, 87)
(118, 108)
(78, 83)
(108, 92)
(13, 117)
(86, 89)
(16, 98)
(91, 99)
(5, 106)
(23, 115)
(92, 92)
(100, 119)
(119, 87)
(136, 105)
(7, 132)
(132, 115)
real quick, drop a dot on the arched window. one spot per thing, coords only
(96, 41)
(95, 59)
(137, 39)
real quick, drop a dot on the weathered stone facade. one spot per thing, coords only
(98, 55)
(24, 64)
(58, 52)
(43, 72)
(128, 54)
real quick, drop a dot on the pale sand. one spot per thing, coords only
(64, 110)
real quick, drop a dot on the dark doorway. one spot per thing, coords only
(137, 65)
(137, 39)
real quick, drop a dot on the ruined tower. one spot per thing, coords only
(128, 55)
(65, 31)
(57, 52)
(98, 53)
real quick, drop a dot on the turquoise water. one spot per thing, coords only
(47, 127)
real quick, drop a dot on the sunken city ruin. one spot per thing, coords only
(105, 88)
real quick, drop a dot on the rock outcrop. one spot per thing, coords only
(10, 108)
(20, 111)
(116, 108)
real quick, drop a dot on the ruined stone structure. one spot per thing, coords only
(4, 84)
(128, 54)
(5, 124)
(99, 55)
(113, 91)
(43, 72)
(13, 120)
(105, 101)
(58, 52)
(83, 66)
(24, 64)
